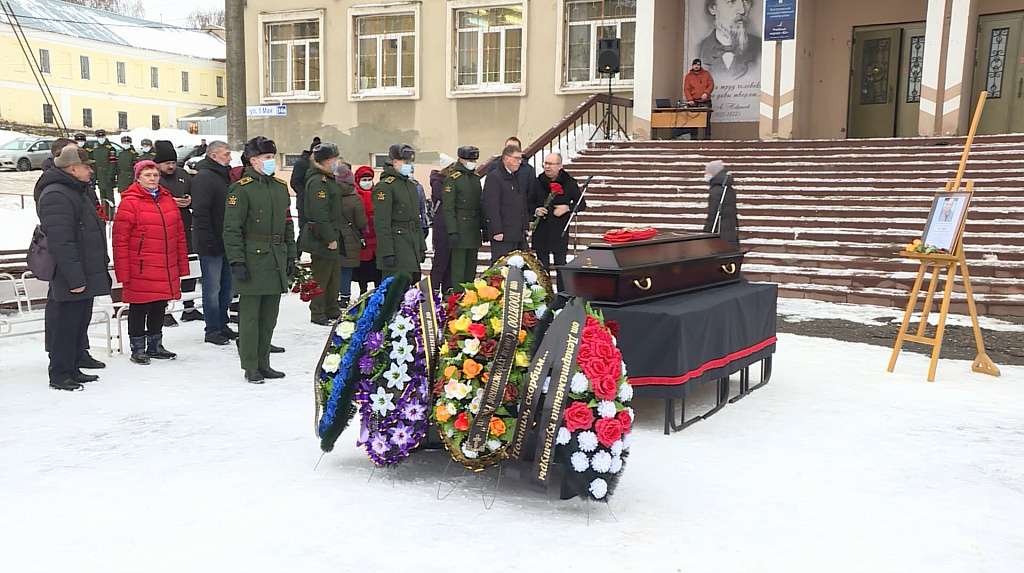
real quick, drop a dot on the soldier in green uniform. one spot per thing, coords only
(126, 160)
(104, 156)
(463, 215)
(321, 235)
(146, 150)
(259, 242)
(396, 211)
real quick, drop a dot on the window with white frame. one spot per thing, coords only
(122, 76)
(586, 22)
(293, 63)
(184, 82)
(44, 60)
(489, 47)
(385, 54)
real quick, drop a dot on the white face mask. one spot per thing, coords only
(145, 149)
(366, 184)
(471, 165)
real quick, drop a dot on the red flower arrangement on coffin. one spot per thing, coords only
(630, 235)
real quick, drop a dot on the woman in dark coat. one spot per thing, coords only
(150, 257)
(726, 224)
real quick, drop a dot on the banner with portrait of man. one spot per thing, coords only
(726, 36)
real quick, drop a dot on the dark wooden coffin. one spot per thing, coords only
(672, 263)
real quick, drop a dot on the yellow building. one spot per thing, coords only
(105, 70)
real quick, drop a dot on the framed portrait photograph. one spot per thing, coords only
(945, 219)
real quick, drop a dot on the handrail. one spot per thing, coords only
(567, 124)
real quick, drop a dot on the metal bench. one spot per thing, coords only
(27, 295)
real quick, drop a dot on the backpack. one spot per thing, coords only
(40, 260)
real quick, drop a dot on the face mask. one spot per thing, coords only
(471, 165)
(103, 140)
(708, 177)
(366, 184)
(269, 166)
(145, 148)
(406, 169)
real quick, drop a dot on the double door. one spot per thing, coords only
(885, 81)
(999, 69)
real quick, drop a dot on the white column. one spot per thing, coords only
(931, 73)
(963, 23)
(643, 62)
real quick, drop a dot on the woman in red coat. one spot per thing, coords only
(367, 272)
(150, 257)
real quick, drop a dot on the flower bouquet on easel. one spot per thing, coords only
(484, 356)
(393, 392)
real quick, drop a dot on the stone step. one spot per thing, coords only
(913, 142)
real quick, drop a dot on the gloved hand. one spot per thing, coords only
(290, 268)
(240, 272)
(390, 262)
(453, 238)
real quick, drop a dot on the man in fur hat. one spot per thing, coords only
(179, 183)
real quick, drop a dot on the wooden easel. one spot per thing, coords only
(951, 263)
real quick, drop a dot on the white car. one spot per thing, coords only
(24, 153)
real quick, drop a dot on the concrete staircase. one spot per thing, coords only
(824, 219)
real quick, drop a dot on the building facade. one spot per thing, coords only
(443, 73)
(105, 70)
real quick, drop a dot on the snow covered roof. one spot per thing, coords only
(91, 24)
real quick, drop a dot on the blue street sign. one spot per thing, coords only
(267, 110)
(779, 20)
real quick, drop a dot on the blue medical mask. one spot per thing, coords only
(406, 169)
(269, 166)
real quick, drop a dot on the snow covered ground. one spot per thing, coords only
(834, 466)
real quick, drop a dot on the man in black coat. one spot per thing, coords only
(725, 224)
(179, 183)
(549, 238)
(55, 149)
(77, 241)
(298, 181)
(209, 192)
(526, 173)
(506, 204)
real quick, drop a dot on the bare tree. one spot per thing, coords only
(124, 7)
(206, 19)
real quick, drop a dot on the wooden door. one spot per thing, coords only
(998, 70)
(873, 82)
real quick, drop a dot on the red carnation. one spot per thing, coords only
(556, 189)
(609, 431)
(625, 420)
(578, 416)
(477, 330)
(462, 422)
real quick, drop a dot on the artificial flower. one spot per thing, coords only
(522, 336)
(616, 447)
(580, 462)
(414, 411)
(488, 348)
(479, 311)
(625, 389)
(564, 436)
(598, 488)
(529, 319)
(401, 435)
(451, 371)
(587, 441)
(451, 409)
(579, 383)
(468, 299)
(345, 329)
(541, 310)
(366, 364)
(470, 454)
(606, 409)
(530, 276)
(495, 281)
(462, 422)
(627, 441)
(474, 405)
(522, 360)
(511, 391)
(397, 376)
(608, 430)
(497, 427)
(400, 327)
(625, 420)
(401, 351)
(516, 261)
(605, 387)
(441, 413)
(374, 341)
(381, 402)
(601, 462)
(331, 362)
(454, 390)
(578, 416)
(616, 465)
(412, 296)
(459, 325)
(613, 327)
(444, 350)
(477, 330)
(470, 348)
(504, 272)
(487, 292)
(379, 444)
(496, 325)
(471, 368)
(494, 445)
(479, 283)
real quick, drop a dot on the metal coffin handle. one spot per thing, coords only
(729, 269)
(646, 284)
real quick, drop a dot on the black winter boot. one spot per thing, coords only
(191, 314)
(87, 361)
(155, 348)
(270, 373)
(253, 377)
(138, 344)
(169, 321)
